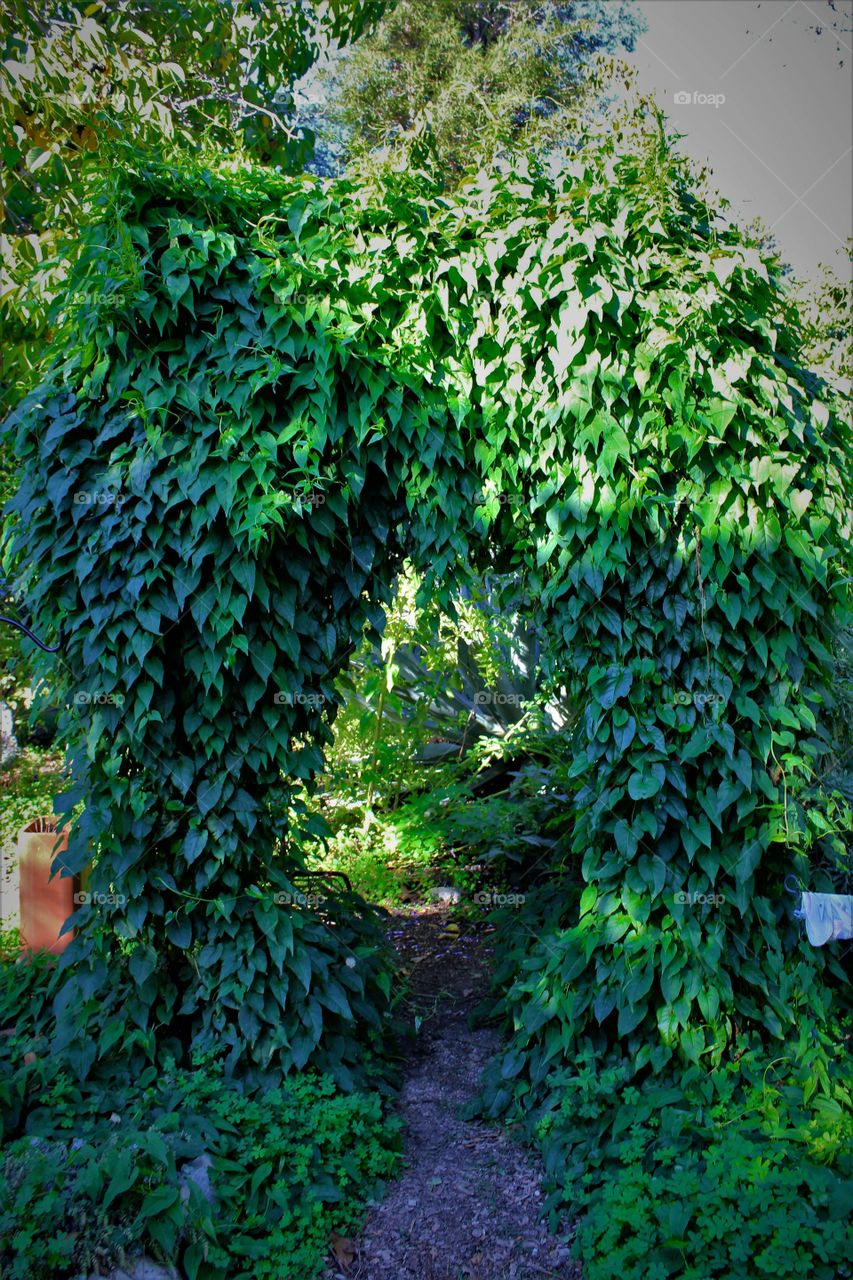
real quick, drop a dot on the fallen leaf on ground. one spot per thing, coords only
(343, 1249)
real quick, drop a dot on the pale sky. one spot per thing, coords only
(780, 144)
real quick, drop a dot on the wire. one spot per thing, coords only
(21, 627)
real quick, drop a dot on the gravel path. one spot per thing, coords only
(466, 1206)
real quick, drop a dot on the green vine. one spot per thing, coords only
(595, 349)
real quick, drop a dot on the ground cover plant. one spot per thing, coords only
(586, 381)
(189, 1170)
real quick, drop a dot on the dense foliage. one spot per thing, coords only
(180, 1164)
(670, 460)
(278, 393)
(740, 1206)
(75, 75)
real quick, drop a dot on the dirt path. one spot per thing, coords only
(466, 1206)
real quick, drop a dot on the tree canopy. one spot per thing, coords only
(475, 77)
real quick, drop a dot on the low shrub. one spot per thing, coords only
(193, 1171)
(26, 991)
(380, 859)
(740, 1208)
(79, 1206)
(735, 1173)
(472, 828)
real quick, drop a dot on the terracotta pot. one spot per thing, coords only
(45, 903)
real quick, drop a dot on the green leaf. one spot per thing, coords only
(693, 1042)
(630, 1018)
(123, 1178)
(720, 414)
(179, 932)
(616, 445)
(616, 683)
(142, 963)
(588, 898)
(333, 996)
(642, 786)
(194, 843)
(296, 216)
(300, 964)
(159, 1200)
(624, 734)
(177, 286)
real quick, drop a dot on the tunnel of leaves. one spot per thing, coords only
(271, 392)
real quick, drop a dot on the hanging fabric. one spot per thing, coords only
(828, 917)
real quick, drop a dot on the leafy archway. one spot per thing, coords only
(274, 392)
